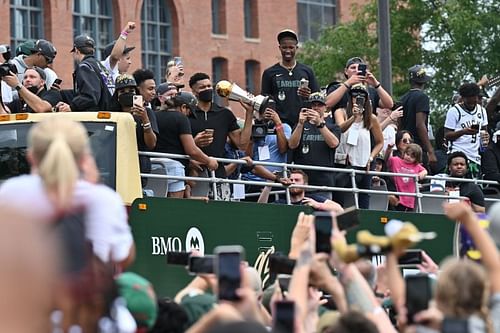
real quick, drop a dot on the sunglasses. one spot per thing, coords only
(407, 140)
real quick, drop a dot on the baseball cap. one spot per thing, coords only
(317, 97)
(46, 49)
(164, 87)
(83, 41)
(418, 74)
(354, 60)
(187, 98)
(109, 48)
(196, 305)
(140, 297)
(25, 48)
(287, 33)
(358, 89)
(123, 81)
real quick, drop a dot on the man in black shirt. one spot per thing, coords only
(33, 96)
(175, 137)
(282, 81)
(457, 167)
(212, 124)
(416, 110)
(314, 140)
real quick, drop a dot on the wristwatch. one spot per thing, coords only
(321, 125)
(18, 87)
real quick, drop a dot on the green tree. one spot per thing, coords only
(459, 39)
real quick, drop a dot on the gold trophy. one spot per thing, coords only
(235, 93)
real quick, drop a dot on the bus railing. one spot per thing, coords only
(287, 167)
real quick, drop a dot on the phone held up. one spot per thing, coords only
(284, 319)
(362, 69)
(418, 294)
(138, 100)
(227, 268)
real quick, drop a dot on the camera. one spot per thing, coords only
(259, 130)
(6, 68)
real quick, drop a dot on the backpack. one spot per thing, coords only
(105, 102)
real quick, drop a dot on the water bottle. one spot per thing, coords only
(482, 141)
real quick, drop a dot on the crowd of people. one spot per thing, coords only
(74, 241)
(354, 124)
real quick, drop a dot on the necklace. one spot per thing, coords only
(289, 69)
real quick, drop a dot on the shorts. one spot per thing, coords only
(175, 168)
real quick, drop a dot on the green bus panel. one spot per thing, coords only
(160, 225)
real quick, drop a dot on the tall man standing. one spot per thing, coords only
(282, 81)
(416, 114)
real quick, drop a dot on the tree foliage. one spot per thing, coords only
(459, 39)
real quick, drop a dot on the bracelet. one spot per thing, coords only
(280, 126)
(346, 85)
(146, 125)
(377, 86)
(123, 37)
(124, 33)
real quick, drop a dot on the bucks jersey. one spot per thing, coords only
(458, 118)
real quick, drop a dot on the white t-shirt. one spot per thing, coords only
(389, 134)
(358, 144)
(113, 72)
(458, 118)
(105, 215)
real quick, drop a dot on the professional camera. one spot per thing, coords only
(6, 67)
(259, 129)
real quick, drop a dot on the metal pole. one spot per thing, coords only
(384, 44)
(287, 189)
(214, 185)
(355, 188)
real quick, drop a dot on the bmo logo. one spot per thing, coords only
(194, 241)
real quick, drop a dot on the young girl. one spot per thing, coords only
(409, 163)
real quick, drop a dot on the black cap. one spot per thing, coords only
(164, 87)
(109, 48)
(354, 60)
(83, 41)
(46, 49)
(418, 74)
(317, 97)
(187, 98)
(359, 89)
(287, 33)
(123, 81)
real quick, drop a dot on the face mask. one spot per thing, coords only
(126, 99)
(205, 95)
(33, 89)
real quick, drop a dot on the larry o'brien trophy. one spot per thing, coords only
(235, 93)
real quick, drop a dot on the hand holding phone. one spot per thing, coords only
(418, 294)
(284, 317)
(348, 219)
(138, 100)
(201, 265)
(323, 229)
(362, 69)
(227, 267)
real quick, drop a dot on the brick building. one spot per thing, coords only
(230, 39)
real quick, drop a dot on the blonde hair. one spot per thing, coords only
(57, 145)
(462, 290)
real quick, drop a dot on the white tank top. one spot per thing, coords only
(357, 144)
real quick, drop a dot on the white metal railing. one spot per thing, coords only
(286, 167)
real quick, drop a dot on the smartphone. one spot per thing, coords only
(411, 258)
(271, 103)
(323, 229)
(304, 83)
(418, 294)
(396, 105)
(475, 127)
(58, 82)
(227, 267)
(138, 100)
(360, 101)
(284, 317)
(455, 325)
(348, 219)
(178, 258)
(306, 104)
(201, 265)
(284, 281)
(362, 69)
(280, 264)
(209, 130)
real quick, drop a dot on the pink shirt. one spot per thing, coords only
(405, 184)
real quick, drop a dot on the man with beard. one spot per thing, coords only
(457, 168)
(289, 82)
(298, 195)
(33, 95)
(463, 124)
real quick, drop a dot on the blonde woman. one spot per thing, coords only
(61, 167)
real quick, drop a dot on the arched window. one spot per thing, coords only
(94, 18)
(26, 21)
(313, 15)
(252, 76)
(156, 24)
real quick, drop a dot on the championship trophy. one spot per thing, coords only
(235, 93)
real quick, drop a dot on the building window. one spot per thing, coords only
(95, 19)
(313, 15)
(219, 72)
(219, 17)
(251, 19)
(156, 24)
(25, 21)
(252, 76)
